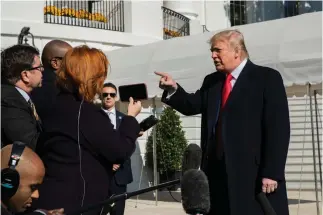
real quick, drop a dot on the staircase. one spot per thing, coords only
(300, 164)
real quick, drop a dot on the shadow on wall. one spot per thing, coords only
(140, 172)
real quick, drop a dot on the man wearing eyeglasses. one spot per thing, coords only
(122, 172)
(52, 55)
(21, 72)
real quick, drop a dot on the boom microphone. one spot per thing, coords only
(195, 192)
(192, 157)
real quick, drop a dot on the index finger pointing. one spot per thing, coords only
(163, 74)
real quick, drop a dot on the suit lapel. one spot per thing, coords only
(214, 98)
(21, 102)
(118, 119)
(240, 85)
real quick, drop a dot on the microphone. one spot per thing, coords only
(195, 192)
(192, 157)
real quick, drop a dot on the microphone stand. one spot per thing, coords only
(124, 196)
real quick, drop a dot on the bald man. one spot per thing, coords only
(52, 56)
(31, 171)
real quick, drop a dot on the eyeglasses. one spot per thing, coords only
(112, 95)
(39, 68)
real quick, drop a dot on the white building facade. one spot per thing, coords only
(110, 25)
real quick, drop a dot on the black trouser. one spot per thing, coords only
(115, 189)
(218, 184)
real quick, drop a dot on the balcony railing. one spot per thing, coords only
(175, 24)
(245, 12)
(102, 14)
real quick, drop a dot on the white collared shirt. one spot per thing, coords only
(24, 94)
(112, 115)
(236, 72)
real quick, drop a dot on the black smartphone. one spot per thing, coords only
(148, 123)
(136, 91)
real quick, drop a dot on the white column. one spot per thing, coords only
(185, 8)
(144, 18)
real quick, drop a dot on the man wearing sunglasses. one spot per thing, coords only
(21, 72)
(122, 172)
(52, 56)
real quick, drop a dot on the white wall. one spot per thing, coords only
(144, 18)
(216, 15)
(141, 27)
(213, 14)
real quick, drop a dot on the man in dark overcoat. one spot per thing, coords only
(245, 128)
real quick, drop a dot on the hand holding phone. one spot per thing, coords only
(134, 108)
(148, 123)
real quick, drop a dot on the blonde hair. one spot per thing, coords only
(233, 37)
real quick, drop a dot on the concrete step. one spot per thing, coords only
(303, 144)
(301, 137)
(303, 107)
(302, 119)
(304, 125)
(297, 132)
(301, 152)
(303, 100)
(302, 113)
(297, 167)
(301, 160)
(298, 176)
(304, 185)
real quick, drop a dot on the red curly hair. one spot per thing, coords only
(83, 70)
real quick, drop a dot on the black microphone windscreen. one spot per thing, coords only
(192, 157)
(195, 192)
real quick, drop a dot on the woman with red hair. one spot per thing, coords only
(79, 144)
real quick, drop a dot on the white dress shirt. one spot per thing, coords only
(236, 72)
(112, 115)
(24, 94)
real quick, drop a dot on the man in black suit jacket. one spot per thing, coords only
(244, 133)
(52, 55)
(122, 172)
(21, 72)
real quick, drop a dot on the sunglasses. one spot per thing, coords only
(112, 95)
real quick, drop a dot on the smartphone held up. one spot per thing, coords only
(137, 91)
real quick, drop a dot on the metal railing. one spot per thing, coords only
(246, 12)
(103, 14)
(175, 24)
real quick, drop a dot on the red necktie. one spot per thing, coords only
(226, 89)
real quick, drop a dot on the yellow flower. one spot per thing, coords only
(51, 10)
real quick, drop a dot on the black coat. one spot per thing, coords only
(44, 97)
(255, 133)
(58, 147)
(123, 175)
(18, 122)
